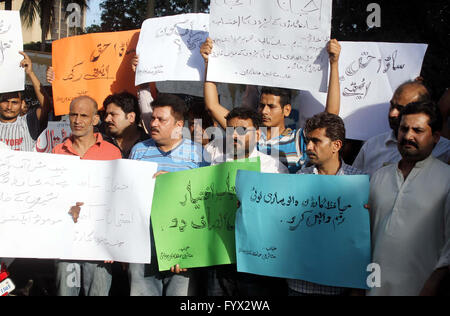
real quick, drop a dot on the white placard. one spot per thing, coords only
(369, 75)
(37, 191)
(169, 48)
(55, 133)
(11, 43)
(279, 43)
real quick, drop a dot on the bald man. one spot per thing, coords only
(381, 150)
(94, 277)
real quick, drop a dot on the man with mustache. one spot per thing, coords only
(122, 117)
(410, 208)
(275, 107)
(381, 150)
(244, 123)
(325, 137)
(86, 144)
(21, 132)
(172, 153)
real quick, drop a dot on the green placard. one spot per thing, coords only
(193, 215)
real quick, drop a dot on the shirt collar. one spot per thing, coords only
(341, 171)
(68, 144)
(391, 138)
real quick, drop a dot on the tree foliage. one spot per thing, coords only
(121, 15)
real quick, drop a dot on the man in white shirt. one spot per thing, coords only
(381, 150)
(410, 208)
(243, 134)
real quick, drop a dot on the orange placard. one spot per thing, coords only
(96, 65)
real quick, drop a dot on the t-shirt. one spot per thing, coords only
(101, 150)
(187, 155)
(22, 134)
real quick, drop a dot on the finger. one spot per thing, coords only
(79, 204)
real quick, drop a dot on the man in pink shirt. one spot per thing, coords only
(87, 145)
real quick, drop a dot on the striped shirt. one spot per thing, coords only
(290, 147)
(310, 288)
(187, 155)
(22, 134)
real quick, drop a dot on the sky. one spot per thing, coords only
(94, 13)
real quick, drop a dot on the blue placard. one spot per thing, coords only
(308, 227)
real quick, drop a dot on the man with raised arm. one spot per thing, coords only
(21, 132)
(275, 106)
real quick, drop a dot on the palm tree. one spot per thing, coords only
(31, 9)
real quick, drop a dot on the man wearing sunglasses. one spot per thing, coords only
(381, 150)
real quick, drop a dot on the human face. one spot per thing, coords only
(164, 127)
(117, 121)
(245, 137)
(83, 118)
(399, 101)
(273, 113)
(416, 140)
(320, 148)
(10, 109)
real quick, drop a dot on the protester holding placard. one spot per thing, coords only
(381, 150)
(85, 144)
(21, 132)
(275, 106)
(325, 137)
(410, 207)
(172, 153)
(225, 280)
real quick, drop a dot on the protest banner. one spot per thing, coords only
(369, 75)
(271, 43)
(195, 226)
(308, 227)
(94, 64)
(169, 48)
(37, 191)
(11, 43)
(55, 133)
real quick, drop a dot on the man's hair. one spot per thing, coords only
(11, 95)
(127, 102)
(246, 114)
(197, 112)
(177, 105)
(333, 124)
(424, 94)
(284, 94)
(428, 108)
(86, 97)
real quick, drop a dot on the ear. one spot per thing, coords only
(131, 117)
(337, 146)
(436, 137)
(287, 109)
(96, 119)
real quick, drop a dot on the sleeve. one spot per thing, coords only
(34, 126)
(359, 161)
(444, 260)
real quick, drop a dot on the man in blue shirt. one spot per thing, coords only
(172, 153)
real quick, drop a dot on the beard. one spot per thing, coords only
(394, 123)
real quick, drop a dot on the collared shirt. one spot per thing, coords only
(290, 146)
(310, 288)
(22, 134)
(382, 150)
(101, 150)
(268, 164)
(143, 136)
(187, 155)
(410, 221)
